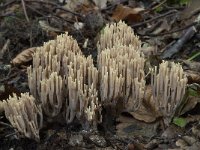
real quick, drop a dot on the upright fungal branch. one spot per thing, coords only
(168, 86)
(80, 76)
(24, 115)
(117, 33)
(52, 94)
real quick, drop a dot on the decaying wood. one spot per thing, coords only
(168, 53)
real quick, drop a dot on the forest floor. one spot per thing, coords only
(168, 29)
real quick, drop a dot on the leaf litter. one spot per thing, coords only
(165, 26)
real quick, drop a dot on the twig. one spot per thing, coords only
(155, 18)
(6, 4)
(8, 77)
(66, 20)
(194, 13)
(44, 16)
(159, 4)
(24, 9)
(66, 10)
(7, 14)
(11, 134)
(95, 143)
(194, 56)
(55, 5)
(168, 53)
(35, 10)
(173, 31)
(4, 49)
(5, 124)
(114, 4)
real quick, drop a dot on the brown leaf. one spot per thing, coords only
(193, 76)
(82, 7)
(171, 132)
(196, 131)
(126, 13)
(13, 8)
(147, 112)
(24, 56)
(100, 3)
(192, 118)
(148, 50)
(164, 26)
(144, 115)
(128, 126)
(190, 10)
(190, 104)
(188, 142)
(192, 65)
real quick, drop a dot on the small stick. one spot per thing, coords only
(7, 4)
(11, 134)
(173, 31)
(155, 18)
(56, 6)
(159, 4)
(64, 9)
(5, 124)
(24, 9)
(4, 48)
(168, 53)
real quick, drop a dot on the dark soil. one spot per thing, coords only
(23, 34)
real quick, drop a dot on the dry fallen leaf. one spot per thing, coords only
(80, 6)
(193, 76)
(192, 65)
(192, 118)
(196, 131)
(13, 8)
(193, 7)
(147, 112)
(126, 13)
(144, 115)
(190, 104)
(164, 26)
(171, 132)
(72, 5)
(100, 3)
(45, 26)
(181, 143)
(149, 50)
(128, 126)
(24, 56)
(188, 142)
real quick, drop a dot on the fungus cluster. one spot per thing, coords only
(24, 115)
(168, 87)
(63, 81)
